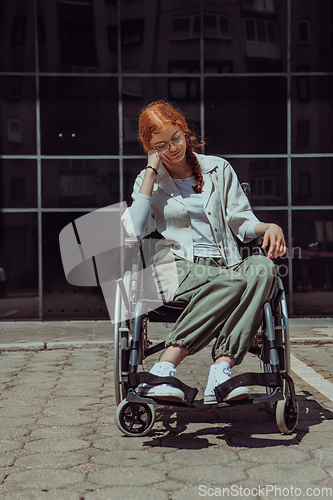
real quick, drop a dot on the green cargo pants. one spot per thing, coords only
(225, 303)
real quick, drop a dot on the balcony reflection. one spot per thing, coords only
(80, 183)
(19, 261)
(313, 266)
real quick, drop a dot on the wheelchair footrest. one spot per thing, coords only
(133, 397)
(263, 379)
(276, 395)
(135, 379)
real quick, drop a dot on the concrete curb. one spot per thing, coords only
(311, 340)
(97, 344)
(48, 346)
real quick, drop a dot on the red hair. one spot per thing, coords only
(152, 120)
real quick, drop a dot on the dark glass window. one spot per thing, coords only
(184, 88)
(41, 30)
(17, 188)
(19, 30)
(132, 32)
(303, 32)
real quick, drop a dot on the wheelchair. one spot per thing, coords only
(88, 247)
(135, 414)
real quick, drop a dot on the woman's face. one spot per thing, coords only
(171, 139)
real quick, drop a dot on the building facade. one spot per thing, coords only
(254, 78)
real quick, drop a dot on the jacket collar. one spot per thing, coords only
(166, 184)
(207, 165)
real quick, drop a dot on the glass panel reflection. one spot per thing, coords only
(267, 178)
(313, 267)
(18, 110)
(80, 183)
(18, 184)
(18, 266)
(79, 115)
(161, 36)
(62, 300)
(82, 40)
(311, 114)
(249, 37)
(17, 36)
(312, 181)
(311, 35)
(245, 115)
(148, 90)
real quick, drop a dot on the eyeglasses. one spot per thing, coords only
(176, 141)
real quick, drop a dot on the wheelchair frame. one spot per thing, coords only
(135, 415)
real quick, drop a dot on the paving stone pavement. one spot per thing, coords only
(59, 439)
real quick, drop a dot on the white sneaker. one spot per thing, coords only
(164, 391)
(218, 374)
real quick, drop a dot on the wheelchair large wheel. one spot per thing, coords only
(135, 419)
(286, 415)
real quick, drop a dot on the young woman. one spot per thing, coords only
(197, 204)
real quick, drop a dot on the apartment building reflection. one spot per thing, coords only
(70, 109)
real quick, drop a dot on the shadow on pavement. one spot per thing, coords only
(240, 427)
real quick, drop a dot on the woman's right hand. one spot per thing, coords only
(154, 159)
(150, 173)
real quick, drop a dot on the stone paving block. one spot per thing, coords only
(126, 493)
(12, 432)
(313, 440)
(275, 455)
(54, 445)
(5, 460)
(41, 495)
(170, 486)
(118, 442)
(61, 432)
(67, 420)
(73, 401)
(324, 456)
(55, 460)
(213, 475)
(208, 457)
(283, 473)
(16, 421)
(63, 410)
(81, 391)
(7, 445)
(126, 458)
(44, 479)
(136, 476)
(21, 393)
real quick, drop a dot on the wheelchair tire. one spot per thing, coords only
(135, 419)
(286, 417)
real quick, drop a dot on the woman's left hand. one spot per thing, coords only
(273, 237)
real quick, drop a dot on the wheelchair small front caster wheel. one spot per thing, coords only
(135, 419)
(286, 415)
